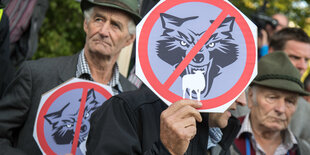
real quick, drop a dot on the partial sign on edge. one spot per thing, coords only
(62, 122)
(197, 49)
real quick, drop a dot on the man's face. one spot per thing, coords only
(221, 119)
(271, 109)
(299, 54)
(107, 32)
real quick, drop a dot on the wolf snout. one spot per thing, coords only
(84, 128)
(198, 58)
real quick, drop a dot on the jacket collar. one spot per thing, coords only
(68, 70)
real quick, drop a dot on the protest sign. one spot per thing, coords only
(196, 49)
(62, 122)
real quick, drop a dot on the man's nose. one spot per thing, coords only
(302, 65)
(233, 106)
(104, 30)
(280, 106)
(241, 100)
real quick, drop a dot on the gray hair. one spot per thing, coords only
(254, 94)
(131, 24)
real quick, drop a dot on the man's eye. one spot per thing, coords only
(98, 19)
(294, 57)
(117, 26)
(211, 44)
(183, 43)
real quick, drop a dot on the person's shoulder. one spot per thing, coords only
(140, 97)
(302, 102)
(49, 67)
(303, 107)
(126, 84)
(46, 65)
(54, 60)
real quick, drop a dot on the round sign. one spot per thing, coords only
(199, 49)
(63, 121)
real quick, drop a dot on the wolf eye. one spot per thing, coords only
(183, 43)
(69, 125)
(86, 115)
(211, 44)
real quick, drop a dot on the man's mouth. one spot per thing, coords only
(98, 41)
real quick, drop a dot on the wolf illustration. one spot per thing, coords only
(178, 39)
(64, 121)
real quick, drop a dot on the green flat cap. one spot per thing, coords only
(128, 6)
(275, 70)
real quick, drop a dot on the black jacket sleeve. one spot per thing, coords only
(119, 128)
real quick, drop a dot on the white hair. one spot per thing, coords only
(254, 94)
(131, 24)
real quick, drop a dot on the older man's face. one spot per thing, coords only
(107, 32)
(272, 109)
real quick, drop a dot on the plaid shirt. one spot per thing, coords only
(83, 72)
(283, 148)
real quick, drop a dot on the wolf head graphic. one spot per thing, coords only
(64, 120)
(178, 39)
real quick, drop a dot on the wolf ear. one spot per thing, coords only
(172, 22)
(53, 118)
(91, 94)
(226, 25)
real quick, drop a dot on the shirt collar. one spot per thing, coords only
(83, 72)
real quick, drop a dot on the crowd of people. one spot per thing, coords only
(271, 117)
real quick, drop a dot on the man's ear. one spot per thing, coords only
(85, 26)
(250, 97)
(131, 39)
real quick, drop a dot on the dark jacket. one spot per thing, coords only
(19, 105)
(129, 124)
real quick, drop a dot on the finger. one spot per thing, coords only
(185, 129)
(187, 122)
(181, 103)
(190, 132)
(187, 111)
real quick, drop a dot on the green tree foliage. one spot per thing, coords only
(62, 30)
(296, 10)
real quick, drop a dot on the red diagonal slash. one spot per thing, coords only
(79, 122)
(189, 57)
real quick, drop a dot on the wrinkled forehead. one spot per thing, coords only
(122, 15)
(269, 90)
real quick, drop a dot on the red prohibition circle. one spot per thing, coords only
(40, 122)
(164, 91)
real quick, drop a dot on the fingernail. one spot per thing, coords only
(199, 103)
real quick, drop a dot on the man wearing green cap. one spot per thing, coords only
(272, 99)
(109, 26)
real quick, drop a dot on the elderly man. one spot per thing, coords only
(272, 99)
(109, 26)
